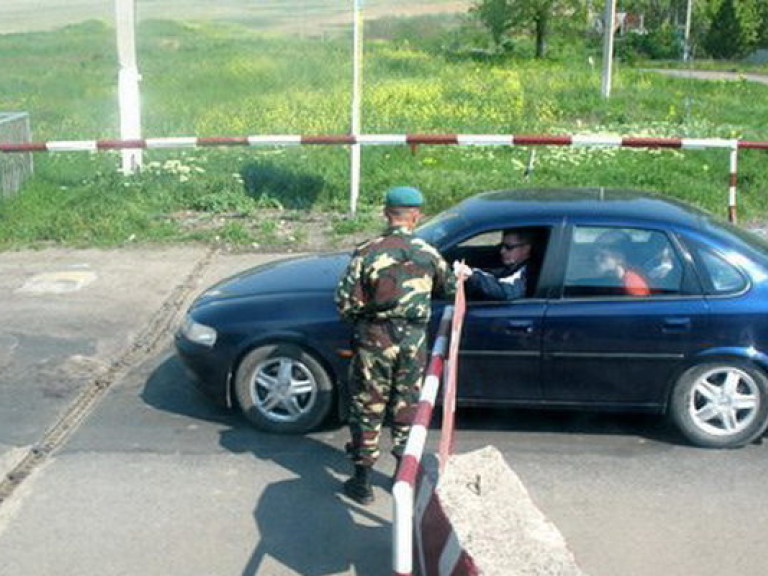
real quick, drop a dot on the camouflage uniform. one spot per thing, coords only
(386, 291)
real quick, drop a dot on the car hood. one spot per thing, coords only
(315, 273)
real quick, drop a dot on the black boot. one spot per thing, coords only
(359, 486)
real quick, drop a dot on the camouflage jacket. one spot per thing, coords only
(393, 276)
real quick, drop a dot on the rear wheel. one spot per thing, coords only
(282, 388)
(721, 404)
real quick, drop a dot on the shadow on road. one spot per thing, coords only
(303, 523)
(646, 426)
(170, 389)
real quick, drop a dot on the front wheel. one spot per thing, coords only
(282, 388)
(721, 404)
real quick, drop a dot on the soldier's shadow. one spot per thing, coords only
(303, 523)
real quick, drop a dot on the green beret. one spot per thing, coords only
(404, 196)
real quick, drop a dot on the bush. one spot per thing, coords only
(663, 43)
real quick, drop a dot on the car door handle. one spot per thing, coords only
(676, 324)
(516, 326)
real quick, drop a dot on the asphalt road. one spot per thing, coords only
(156, 480)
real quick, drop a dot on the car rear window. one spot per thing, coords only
(724, 278)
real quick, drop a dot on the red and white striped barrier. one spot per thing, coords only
(451, 369)
(410, 465)
(413, 140)
(417, 510)
(587, 140)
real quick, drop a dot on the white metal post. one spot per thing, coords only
(609, 19)
(357, 85)
(128, 82)
(732, 181)
(687, 38)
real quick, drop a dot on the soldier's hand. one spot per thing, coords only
(461, 270)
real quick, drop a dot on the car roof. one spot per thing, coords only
(506, 205)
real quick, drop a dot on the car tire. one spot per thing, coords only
(721, 404)
(281, 388)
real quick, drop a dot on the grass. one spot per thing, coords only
(211, 80)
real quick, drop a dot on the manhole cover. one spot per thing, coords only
(58, 282)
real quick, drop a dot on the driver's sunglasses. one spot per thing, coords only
(505, 246)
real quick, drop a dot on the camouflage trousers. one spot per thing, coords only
(384, 384)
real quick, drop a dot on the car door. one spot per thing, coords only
(606, 344)
(500, 353)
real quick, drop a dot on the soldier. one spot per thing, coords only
(386, 293)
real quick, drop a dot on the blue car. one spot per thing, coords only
(634, 303)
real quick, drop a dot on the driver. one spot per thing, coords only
(508, 282)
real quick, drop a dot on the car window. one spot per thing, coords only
(484, 252)
(724, 277)
(628, 262)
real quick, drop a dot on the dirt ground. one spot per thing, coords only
(282, 230)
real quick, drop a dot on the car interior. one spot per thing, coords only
(648, 253)
(483, 251)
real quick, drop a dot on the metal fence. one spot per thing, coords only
(14, 168)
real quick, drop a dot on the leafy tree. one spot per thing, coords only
(665, 19)
(735, 29)
(536, 16)
(762, 40)
(496, 16)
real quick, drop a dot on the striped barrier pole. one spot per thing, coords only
(405, 481)
(587, 140)
(412, 140)
(451, 368)
(733, 177)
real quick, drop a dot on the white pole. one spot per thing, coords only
(608, 29)
(128, 82)
(687, 41)
(357, 86)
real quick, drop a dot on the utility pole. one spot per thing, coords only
(128, 82)
(687, 38)
(357, 89)
(609, 19)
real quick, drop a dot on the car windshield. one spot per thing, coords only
(441, 227)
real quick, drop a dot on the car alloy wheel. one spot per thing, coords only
(282, 388)
(721, 404)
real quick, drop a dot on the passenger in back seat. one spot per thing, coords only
(611, 261)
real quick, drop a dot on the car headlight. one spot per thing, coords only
(198, 333)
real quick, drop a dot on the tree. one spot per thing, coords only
(735, 29)
(762, 40)
(496, 16)
(665, 19)
(502, 16)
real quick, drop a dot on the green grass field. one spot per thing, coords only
(225, 79)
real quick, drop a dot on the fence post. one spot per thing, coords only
(357, 89)
(128, 83)
(14, 168)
